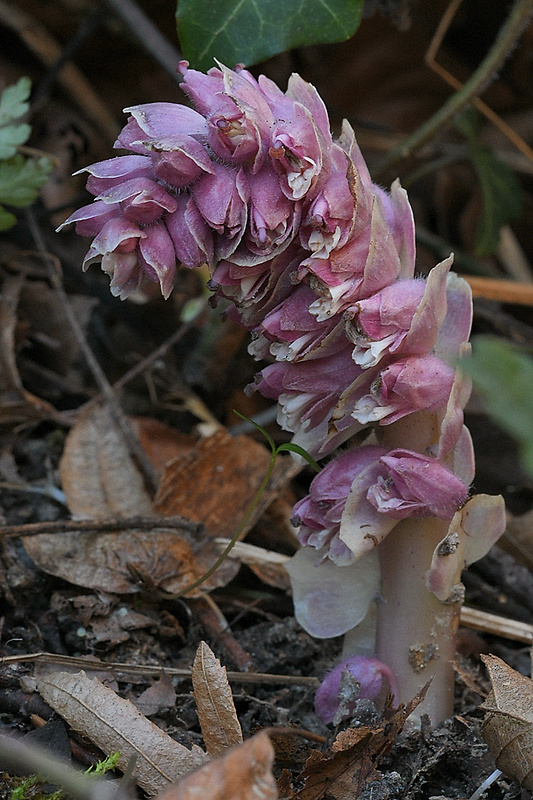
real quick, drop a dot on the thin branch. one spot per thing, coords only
(54, 272)
(91, 664)
(99, 525)
(478, 81)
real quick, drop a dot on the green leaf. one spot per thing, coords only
(503, 375)
(7, 219)
(248, 31)
(11, 137)
(295, 448)
(13, 105)
(500, 188)
(14, 101)
(21, 179)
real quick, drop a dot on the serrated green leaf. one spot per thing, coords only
(249, 31)
(11, 136)
(503, 376)
(7, 219)
(13, 101)
(21, 179)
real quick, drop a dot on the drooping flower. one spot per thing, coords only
(403, 318)
(374, 681)
(359, 496)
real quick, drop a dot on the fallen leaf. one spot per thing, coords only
(160, 442)
(216, 483)
(353, 760)
(214, 702)
(508, 724)
(115, 725)
(160, 696)
(97, 474)
(243, 773)
(100, 480)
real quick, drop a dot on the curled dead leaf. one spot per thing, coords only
(244, 773)
(508, 724)
(214, 703)
(100, 480)
(115, 725)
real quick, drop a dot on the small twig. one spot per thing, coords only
(148, 35)
(506, 628)
(99, 525)
(38, 40)
(516, 292)
(482, 76)
(91, 664)
(216, 625)
(54, 272)
(482, 107)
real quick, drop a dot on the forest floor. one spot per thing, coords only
(171, 377)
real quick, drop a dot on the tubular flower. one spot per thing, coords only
(358, 498)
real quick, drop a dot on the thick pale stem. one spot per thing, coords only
(416, 632)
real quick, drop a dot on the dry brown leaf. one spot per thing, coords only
(160, 696)
(100, 480)
(353, 760)
(214, 701)
(243, 773)
(160, 442)
(115, 725)
(98, 475)
(216, 483)
(508, 724)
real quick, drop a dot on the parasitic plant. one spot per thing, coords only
(318, 263)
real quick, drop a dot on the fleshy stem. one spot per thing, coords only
(509, 33)
(275, 451)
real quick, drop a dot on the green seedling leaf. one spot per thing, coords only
(14, 101)
(259, 427)
(249, 31)
(501, 190)
(295, 448)
(503, 375)
(21, 179)
(13, 105)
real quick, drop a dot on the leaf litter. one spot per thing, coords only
(145, 565)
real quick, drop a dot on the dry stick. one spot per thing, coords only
(148, 35)
(431, 61)
(48, 51)
(54, 272)
(482, 76)
(146, 362)
(515, 292)
(99, 525)
(92, 664)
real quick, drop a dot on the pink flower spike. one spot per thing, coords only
(91, 219)
(416, 484)
(141, 200)
(113, 171)
(375, 681)
(157, 257)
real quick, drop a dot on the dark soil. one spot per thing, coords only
(40, 613)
